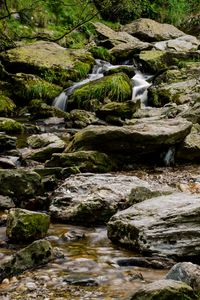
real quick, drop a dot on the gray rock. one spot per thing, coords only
(165, 290)
(189, 150)
(8, 163)
(96, 198)
(36, 254)
(186, 272)
(7, 142)
(145, 137)
(183, 43)
(6, 202)
(150, 30)
(166, 225)
(24, 225)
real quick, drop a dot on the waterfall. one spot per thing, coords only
(169, 158)
(140, 85)
(140, 88)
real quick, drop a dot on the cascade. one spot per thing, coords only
(140, 84)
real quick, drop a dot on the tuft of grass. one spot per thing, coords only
(101, 53)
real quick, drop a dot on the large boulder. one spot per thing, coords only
(24, 225)
(36, 254)
(49, 60)
(186, 272)
(183, 43)
(150, 31)
(19, 184)
(166, 225)
(143, 138)
(42, 146)
(90, 96)
(165, 290)
(90, 199)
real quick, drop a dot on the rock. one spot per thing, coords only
(127, 50)
(158, 263)
(191, 25)
(186, 272)
(165, 225)
(155, 60)
(7, 142)
(192, 114)
(6, 202)
(86, 281)
(11, 126)
(95, 197)
(150, 31)
(36, 254)
(7, 163)
(144, 139)
(27, 184)
(84, 161)
(176, 85)
(91, 95)
(183, 43)
(24, 225)
(48, 60)
(165, 290)
(80, 118)
(7, 106)
(189, 150)
(124, 110)
(27, 87)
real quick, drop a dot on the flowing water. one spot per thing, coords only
(140, 84)
(89, 269)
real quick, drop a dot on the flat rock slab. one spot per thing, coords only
(91, 199)
(166, 225)
(136, 140)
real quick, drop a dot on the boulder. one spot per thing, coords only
(145, 138)
(11, 126)
(24, 225)
(183, 43)
(189, 150)
(165, 290)
(186, 272)
(165, 225)
(48, 60)
(8, 162)
(36, 254)
(151, 31)
(90, 96)
(81, 118)
(6, 202)
(91, 199)
(7, 106)
(83, 161)
(192, 114)
(7, 142)
(26, 183)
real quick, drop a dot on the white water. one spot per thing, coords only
(140, 85)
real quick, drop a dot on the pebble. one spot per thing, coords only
(31, 286)
(6, 281)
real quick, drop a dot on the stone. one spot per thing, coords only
(26, 184)
(157, 263)
(186, 272)
(96, 197)
(24, 225)
(145, 138)
(11, 126)
(183, 43)
(34, 255)
(189, 150)
(84, 161)
(151, 31)
(7, 106)
(6, 202)
(79, 118)
(8, 163)
(165, 225)
(7, 142)
(165, 290)
(49, 60)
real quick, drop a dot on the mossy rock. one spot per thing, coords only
(128, 70)
(48, 60)
(115, 87)
(28, 87)
(124, 110)
(24, 225)
(7, 106)
(26, 184)
(39, 109)
(101, 53)
(11, 126)
(85, 161)
(79, 118)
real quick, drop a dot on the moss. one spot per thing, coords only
(101, 53)
(123, 110)
(39, 109)
(11, 126)
(155, 60)
(7, 106)
(27, 87)
(116, 87)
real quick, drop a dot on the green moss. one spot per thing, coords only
(39, 109)
(123, 110)
(116, 87)
(11, 126)
(7, 106)
(101, 53)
